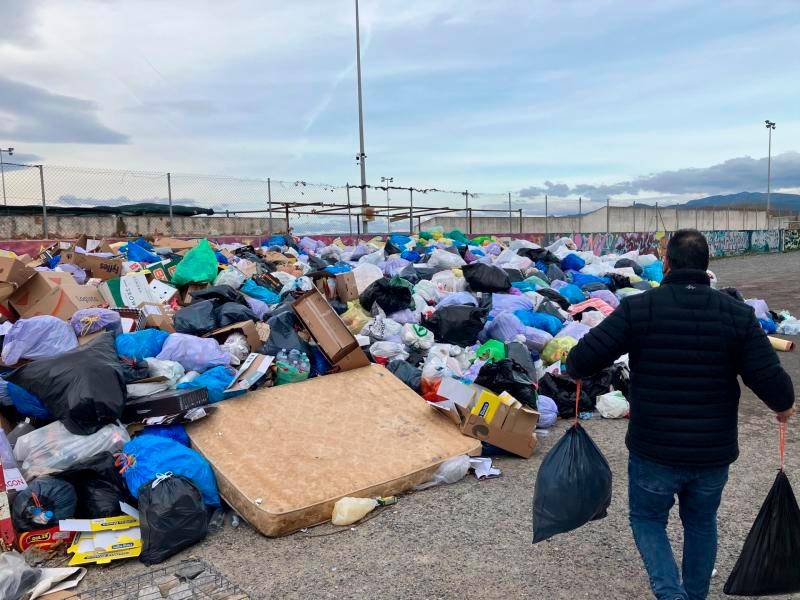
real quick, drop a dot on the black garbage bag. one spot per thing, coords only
(618, 281)
(554, 272)
(514, 275)
(317, 263)
(508, 376)
(83, 388)
(562, 390)
(593, 287)
(283, 335)
(553, 295)
(768, 563)
(219, 294)
(520, 354)
(410, 274)
(627, 262)
(537, 273)
(387, 294)
(338, 306)
(597, 385)
(134, 370)
(98, 485)
(408, 374)
(550, 308)
(233, 312)
(457, 324)
(573, 485)
(733, 293)
(539, 254)
(390, 248)
(621, 378)
(196, 319)
(486, 278)
(45, 501)
(172, 516)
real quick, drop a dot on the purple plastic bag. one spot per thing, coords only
(92, 320)
(606, 296)
(457, 298)
(574, 329)
(510, 302)
(74, 270)
(393, 266)
(194, 353)
(38, 337)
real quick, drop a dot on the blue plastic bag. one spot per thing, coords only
(252, 289)
(524, 286)
(582, 279)
(340, 267)
(221, 258)
(138, 254)
(572, 261)
(572, 293)
(275, 240)
(215, 380)
(26, 403)
(145, 343)
(175, 432)
(768, 325)
(151, 455)
(543, 321)
(410, 255)
(653, 271)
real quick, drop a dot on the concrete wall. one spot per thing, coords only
(618, 220)
(71, 227)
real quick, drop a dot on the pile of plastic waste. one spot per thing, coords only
(109, 349)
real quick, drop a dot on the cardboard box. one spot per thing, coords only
(133, 319)
(254, 367)
(13, 275)
(175, 243)
(43, 539)
(93, 245)
(163, 404)
(164, 270)
(327, 287)
(127, 292)
(55, 294)
(334, 339)
(247, 328)
(186, 295)
(104, 268)
(163, 292)
(104, 546)
(346, 287)
(479, 413)
(156, 317)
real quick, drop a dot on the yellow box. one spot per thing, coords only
(486, 405)
(104, 546)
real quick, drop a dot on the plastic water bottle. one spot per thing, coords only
(282, 356)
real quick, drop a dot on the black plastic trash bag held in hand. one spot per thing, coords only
(768, 563)
(172, 515)
(573, 485)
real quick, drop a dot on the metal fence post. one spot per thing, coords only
(634, 215)
(169, 199)
(728, 218)
(467, 213)
(608, 215)
(288, 229)
(45, 229)
(580, 214)
(349, 219)
(520, 220)
(510, 225)
(410, 211)
(269, 204)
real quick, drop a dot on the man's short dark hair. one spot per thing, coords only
(687, 249)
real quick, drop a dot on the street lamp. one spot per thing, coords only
(361, 158)
(770, 125)
(387, 181)
(10, 152)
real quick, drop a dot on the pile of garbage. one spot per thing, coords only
(108, 350)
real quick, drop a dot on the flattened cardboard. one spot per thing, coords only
(104, 546)
(163, 292)
(254, 367)
(346, 287)
(127, 292)
(247, 328)
(362, 433)
(164, 271)
(13, 275)
(175, 243)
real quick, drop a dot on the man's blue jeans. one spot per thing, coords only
(651, 493)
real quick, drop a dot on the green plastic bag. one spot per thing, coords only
(458, 236)
(198, 266)
(557, 349)
(425, 235)
(479, 240)
(492, 351)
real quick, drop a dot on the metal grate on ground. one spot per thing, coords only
(186, 580)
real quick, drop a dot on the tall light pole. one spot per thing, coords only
(362, 157)
(387, 181)
(770, 127)
(10, 152)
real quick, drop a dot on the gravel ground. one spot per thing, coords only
(474, 538)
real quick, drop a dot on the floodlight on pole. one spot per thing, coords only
(387, 181)
(10, 152)
(770, 126)
(361, 158)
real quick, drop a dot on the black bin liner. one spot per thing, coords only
(98, 485)
(54, 499)
(457, 324)
(172, 516)
(508, 376)
(391, 298)
(219, 294)
(486, 278)
(407, 373)
(232, 312)
(562, 390)
(197, 318)
(768, 563)
(573, 485)
(83, 388)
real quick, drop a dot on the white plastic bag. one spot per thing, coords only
(789, 326)
(388, 350)
(444, 259)
(170, 369)
(38, 337)
(417, 336)
(348, 510)
(613, 405)
(16, 577)
(382, 328)
(447, 282)
(592, 318)
(450, 471)
(236, 345)
(428, 291)
(52, 448)
(232, 277)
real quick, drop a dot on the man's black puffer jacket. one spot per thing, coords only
(687, 343)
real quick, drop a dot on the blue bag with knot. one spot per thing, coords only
(145, 343)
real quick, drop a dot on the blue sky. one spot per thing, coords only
(490, 96)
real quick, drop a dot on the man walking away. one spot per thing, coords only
(687, 343)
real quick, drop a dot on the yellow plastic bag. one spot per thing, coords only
(355, 317)
(557, 349)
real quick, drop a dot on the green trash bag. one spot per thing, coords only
(492, 351)
(425, 235)
(478, 241)
(198, 266)
(458, 236)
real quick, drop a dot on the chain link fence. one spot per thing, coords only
(61, 202)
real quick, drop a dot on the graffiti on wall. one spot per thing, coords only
(791, 239)
(735, 243)
(620, 243)
(765, 240)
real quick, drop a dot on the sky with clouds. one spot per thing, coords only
(599, 98)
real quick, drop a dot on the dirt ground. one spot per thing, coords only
(474, 538)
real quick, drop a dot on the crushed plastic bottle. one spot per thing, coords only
(217, 521)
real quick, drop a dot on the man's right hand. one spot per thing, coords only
(784, 415)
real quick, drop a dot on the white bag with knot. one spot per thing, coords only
(613, 405)
(450, 471)
(417, 336)
(445, 259)
(232, 277)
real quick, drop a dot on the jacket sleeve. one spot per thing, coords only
(600, 347)
(761, 368)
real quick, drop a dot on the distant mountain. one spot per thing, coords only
(749, 200)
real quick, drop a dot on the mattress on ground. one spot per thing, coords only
(284, 455)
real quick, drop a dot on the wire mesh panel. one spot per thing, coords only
(188, 580)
